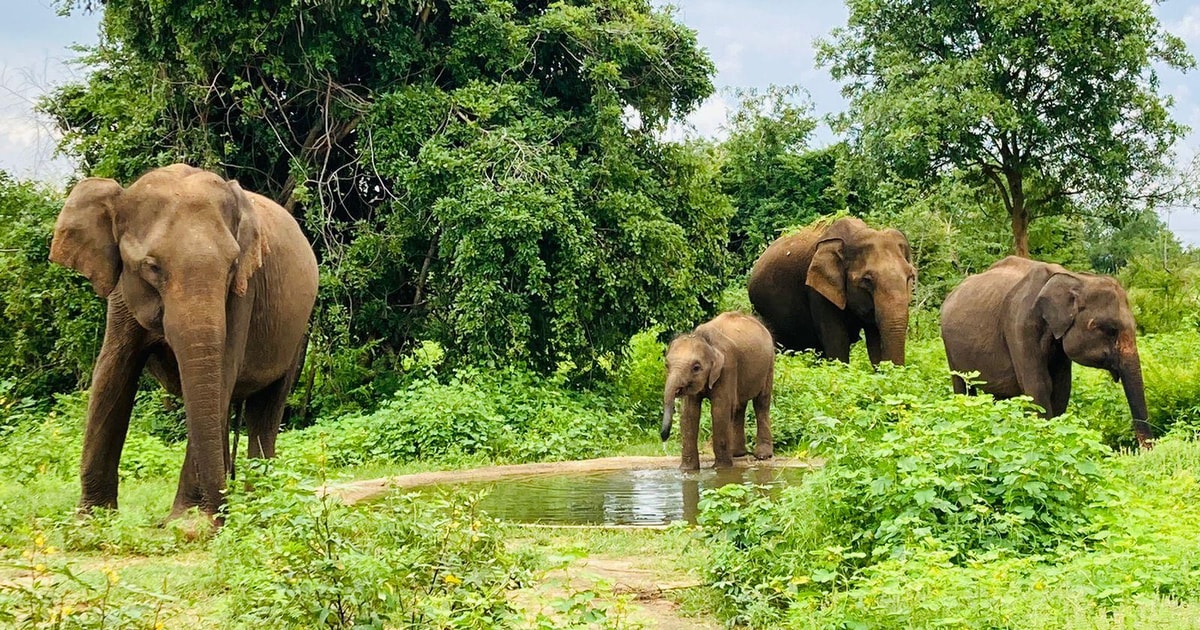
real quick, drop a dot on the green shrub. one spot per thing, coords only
(51, 323)
(510, 416)
(293, 559)
(639, 380)
(970, 474)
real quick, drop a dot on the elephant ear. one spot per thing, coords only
(827, 271)
(718, 364)
(83, 234)
(250, 239)
(1058, 303)
(902, 240)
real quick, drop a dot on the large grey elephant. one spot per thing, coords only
(729, 360)
(824, 286)
(1021, 323)
(210, 288)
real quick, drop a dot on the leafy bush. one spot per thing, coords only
(509, 416)
(51, 322)
(639, 380)
(294, 559)
(905, 470)
(1164, 291)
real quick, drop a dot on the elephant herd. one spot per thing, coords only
(211, 287)
(1020, 324)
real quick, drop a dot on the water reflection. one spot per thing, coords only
(625, 497)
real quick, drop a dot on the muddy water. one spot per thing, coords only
(622, 497)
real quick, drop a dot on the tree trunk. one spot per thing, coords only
(1019, 212)
(1020, 228)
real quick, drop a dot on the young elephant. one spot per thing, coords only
(729, 360)
(1021, 324)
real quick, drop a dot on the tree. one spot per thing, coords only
(50, 320)
(772, 177)
(1054, 104)
(465, 168)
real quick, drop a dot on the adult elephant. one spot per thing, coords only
(210, 288)
(1021, 324)
(824, 286)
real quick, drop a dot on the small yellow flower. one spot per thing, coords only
(112, 576)
(39, 567)
(67, 609)
(158, 625)
(1039, 585)
(801, 579)
(39, 541)
(50, 550)
(27, 554)
(451, 579)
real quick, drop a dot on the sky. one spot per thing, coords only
(754, 43)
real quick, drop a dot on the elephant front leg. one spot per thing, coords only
(689, 433)
(722, 413)
(110, 402)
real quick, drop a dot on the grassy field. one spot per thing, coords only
(931, 511)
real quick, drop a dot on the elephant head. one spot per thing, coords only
(869, 273)
(178, 243)
(1091, 317)
(693, 367)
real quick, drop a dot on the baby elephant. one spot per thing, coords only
(730, 361)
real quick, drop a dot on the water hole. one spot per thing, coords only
(636, 497)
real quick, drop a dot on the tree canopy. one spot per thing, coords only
(483, 173)
(1053, 104)
(773, 178)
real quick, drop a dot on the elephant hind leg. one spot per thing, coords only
(764, 444)
(737, 428)
(960, 385)
(263, 414)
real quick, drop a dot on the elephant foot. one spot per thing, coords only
(763, 453)
(689, 466)
(723, 463)
(192, 524)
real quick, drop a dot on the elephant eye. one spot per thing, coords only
(695, 367)
(867, 280)
(151, 269)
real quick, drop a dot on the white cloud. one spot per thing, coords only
(1187, 27)
(707, 121)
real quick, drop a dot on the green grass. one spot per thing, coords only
(1118, 549)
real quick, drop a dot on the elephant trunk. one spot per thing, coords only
(891, 316)
(1135, 393)
(197, 337)
(670, 392)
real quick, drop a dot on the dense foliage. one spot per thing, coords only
(934, 510)
(50, 320)
(1049, 105)
(770, 174)
(481, 173)
(506, 417)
